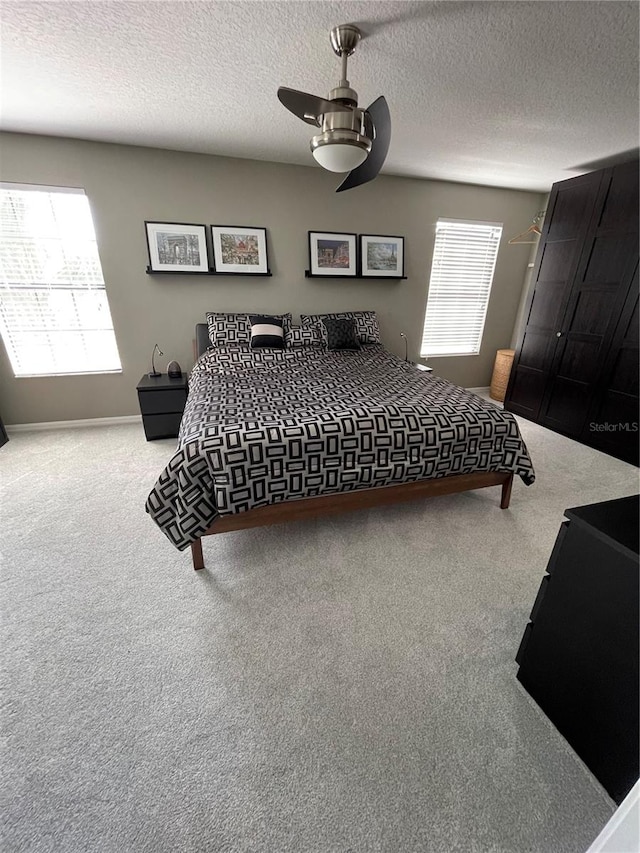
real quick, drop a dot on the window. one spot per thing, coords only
(54, 314)
(464, 259)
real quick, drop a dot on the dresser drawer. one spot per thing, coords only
(161, 426)
(162, 401)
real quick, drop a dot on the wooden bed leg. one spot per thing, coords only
(506, 493)
(196, 554)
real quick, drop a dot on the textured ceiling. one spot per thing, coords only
(514, 94)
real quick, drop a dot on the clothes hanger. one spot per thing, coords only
(532, 229)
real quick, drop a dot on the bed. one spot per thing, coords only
(270, 436)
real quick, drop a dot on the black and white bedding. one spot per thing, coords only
(262, 426)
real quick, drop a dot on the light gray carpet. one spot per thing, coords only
(340, 685)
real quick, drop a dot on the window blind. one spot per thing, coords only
(464, 260)
(54, 314)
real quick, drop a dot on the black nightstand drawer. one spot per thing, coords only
(162, 401)
(161, 426)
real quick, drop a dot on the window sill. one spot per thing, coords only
(58, 375)
(448, 354)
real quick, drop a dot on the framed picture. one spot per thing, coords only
(177, 247)
(381, 256)
(332, 254)
(240, 249)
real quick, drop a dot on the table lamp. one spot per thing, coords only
(154, 372)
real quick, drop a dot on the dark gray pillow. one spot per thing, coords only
(367, 326)
(266, 332)
(341, 334)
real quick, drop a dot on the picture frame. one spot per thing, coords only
(240, 250)
(332, 253)
(381, 256)
(177, 247)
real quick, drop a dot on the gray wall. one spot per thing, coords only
(126, 185)
(521, 320)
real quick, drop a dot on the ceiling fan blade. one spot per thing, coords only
(379, 115)
(308, 107)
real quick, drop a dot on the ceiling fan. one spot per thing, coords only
(351, 139)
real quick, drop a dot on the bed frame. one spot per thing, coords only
(299, 510)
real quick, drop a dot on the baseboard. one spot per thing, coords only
(621, 832)
(86, 422)
(484, 389)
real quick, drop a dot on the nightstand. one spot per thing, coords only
(161, 404)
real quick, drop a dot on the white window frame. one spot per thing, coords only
(55, 318)
(462, 271)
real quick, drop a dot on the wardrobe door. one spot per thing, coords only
(612, 424)
(570, 210)
(600, 287)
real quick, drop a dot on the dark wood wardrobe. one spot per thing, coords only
(575, 369)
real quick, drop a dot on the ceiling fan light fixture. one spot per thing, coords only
(351, 139)
(340, 151)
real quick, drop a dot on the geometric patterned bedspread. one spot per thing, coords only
(262, 426)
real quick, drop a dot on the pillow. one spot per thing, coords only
(230, 329)
(341, 333)
(367, 327)
(266, 331)
(304, 336)
(286, 324)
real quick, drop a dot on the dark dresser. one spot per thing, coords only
(161, 404)
(579, 654)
